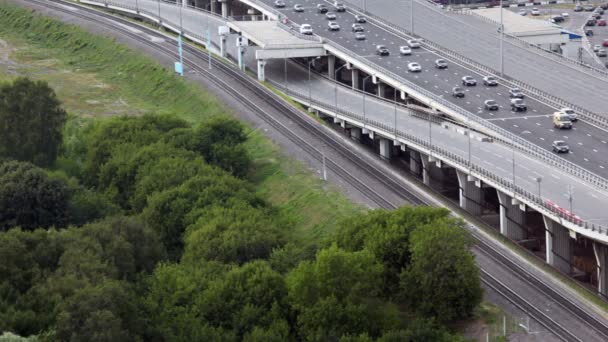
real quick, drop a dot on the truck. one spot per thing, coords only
(561, 120)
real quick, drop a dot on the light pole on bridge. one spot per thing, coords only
(336, 86)
(364, 80)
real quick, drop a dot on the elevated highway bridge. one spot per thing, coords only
(485, 154)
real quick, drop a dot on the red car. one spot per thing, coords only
(601, 23)
(605, 43)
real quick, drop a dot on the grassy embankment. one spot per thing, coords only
(96, 77)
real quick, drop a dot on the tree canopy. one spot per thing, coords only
(31, 122)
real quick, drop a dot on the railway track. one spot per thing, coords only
(229, 78)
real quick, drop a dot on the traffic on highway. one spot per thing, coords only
(476, 93)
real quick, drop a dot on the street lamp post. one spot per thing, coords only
(539, 180)
(285, 75)
(502, 33)
(395, 103)
(159, 21)
(570, 197)
(364, 80)
(412, 17)
(336, 85)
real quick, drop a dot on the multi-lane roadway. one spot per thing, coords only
(589, 145)
(479, 41)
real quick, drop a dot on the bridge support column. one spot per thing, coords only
(415, 162)
(355, 78)
(385, 149)
(512, 218)
(355, 133)
(223, 46)
(381, 89)
(558, 244)
(261, 70)
(225, 8)
(470, 193)
(213, 6)
(601, 257)
(426, 165)
(331, 67)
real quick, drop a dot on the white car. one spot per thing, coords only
(413, 43)
(414, 67)
(523, 12)
(333, 26)
(565, 15)
(535, 11)
(596, 47)
(405, 50)
(306, 29)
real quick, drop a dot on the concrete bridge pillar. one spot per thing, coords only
(470, 193)
(261, 70)
(331, 67)
(558, 244)
(415, 162)
(426, 165)
(225, 8)
(223, 50)
(381, 89)
(213, 6)
(385, 148)
(355, 78)
(355, 133)
(601, 256)
(512, 218)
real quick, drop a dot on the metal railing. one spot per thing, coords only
(543, 206)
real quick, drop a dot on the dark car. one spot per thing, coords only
(578, 8)
(468, 81)
(516, 93)
(589, 33)
(457, 92)
(322, 8)
(382, 50)
(441, 64)
(339, 7)
(560, 146)
(590, 22)
(558, 18)
(518, 105)
(360, 19)
(490, 105)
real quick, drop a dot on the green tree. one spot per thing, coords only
(386, 234)
(106, 136)
(30, 199)
(442, 280)
(31, 122)
(337, 295)
(172, 210)
(102, 312)
(219, 140)
(236, 234)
